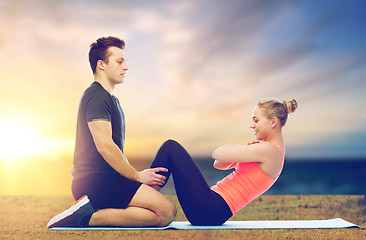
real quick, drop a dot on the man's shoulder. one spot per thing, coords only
(96, 87)
(95, 90)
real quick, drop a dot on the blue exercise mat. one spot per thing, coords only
(275, 224)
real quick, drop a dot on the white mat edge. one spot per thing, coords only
(272, 224)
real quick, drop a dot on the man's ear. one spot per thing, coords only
(101, 64)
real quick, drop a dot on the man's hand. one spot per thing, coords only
(150, 176)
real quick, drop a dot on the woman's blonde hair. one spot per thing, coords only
(274, 108)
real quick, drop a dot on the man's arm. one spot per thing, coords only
(101, 131)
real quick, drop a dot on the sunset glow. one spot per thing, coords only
(19, 139)
(196, 70)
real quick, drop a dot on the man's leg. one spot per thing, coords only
(148, 207)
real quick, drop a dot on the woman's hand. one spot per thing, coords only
(150, 176)
(256, 141)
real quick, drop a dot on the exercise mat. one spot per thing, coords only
(272, 224)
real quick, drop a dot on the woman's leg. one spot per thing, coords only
(201, 205)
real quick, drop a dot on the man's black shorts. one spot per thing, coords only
(110, 190)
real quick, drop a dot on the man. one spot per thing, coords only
(110, 191)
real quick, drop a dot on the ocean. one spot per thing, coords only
(315, 176)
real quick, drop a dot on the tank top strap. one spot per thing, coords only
(283, 160)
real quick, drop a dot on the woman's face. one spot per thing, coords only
(261, 124)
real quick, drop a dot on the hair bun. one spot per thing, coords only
(290, 106)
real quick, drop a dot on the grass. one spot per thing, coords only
(25, 217)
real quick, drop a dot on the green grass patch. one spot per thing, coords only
(26, 217)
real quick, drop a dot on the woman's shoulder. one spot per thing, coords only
(269, 150)
(264, 145)
(272, 158)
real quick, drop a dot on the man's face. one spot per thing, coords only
(116, 67)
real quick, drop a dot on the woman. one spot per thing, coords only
(257, 166)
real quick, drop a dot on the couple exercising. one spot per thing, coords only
(110, 192)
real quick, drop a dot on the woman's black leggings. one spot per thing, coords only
(200, 204)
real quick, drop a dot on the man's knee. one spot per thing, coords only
(167, 214)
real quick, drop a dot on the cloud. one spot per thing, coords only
(195, 66)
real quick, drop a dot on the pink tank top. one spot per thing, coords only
(245, 184)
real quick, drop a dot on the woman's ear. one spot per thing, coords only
(274, 122)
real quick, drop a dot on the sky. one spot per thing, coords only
(196, 71)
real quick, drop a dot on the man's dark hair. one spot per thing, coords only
(99, 50)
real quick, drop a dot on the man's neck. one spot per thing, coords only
(105, 83)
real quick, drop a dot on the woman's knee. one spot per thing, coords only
(174, 148)
(168, 147)
(171, 143)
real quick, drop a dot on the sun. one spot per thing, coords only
(19, 139)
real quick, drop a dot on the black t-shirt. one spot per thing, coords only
(96, 104)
